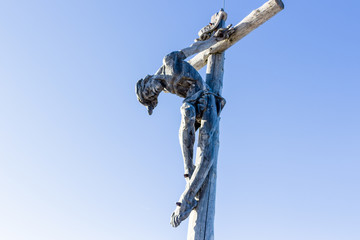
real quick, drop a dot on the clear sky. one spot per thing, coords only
(81, 159)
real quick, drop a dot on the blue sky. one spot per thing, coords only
(81, 159)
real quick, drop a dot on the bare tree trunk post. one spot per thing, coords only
(201, 220)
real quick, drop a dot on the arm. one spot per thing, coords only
(164, 77)
(198, 47)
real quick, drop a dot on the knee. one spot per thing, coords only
(188, 113)
(204, 137)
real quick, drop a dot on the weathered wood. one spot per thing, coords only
(201, 221)
(248, 24)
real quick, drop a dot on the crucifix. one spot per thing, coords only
(200, 111)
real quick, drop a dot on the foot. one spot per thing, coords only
(182, 211)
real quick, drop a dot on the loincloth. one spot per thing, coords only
(200, 101)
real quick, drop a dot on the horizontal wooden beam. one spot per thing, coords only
(243, 28)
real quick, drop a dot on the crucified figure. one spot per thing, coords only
(200, 110)
(200, 107)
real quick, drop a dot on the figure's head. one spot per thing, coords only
(147, 91)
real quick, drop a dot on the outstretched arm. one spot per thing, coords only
(220, 34)
(197, 47)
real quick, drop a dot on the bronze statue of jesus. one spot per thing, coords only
(178, 77)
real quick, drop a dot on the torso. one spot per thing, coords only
(185, 83)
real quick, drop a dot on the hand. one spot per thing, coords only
(224, 33)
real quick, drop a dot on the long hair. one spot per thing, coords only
(150, 103)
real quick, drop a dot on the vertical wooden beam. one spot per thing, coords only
(201, 220)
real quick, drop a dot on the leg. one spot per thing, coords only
(204, 162)
(187, 137)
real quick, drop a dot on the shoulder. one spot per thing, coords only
(174, 57)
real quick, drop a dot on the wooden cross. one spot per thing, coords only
(201, 110)
(211, 52)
